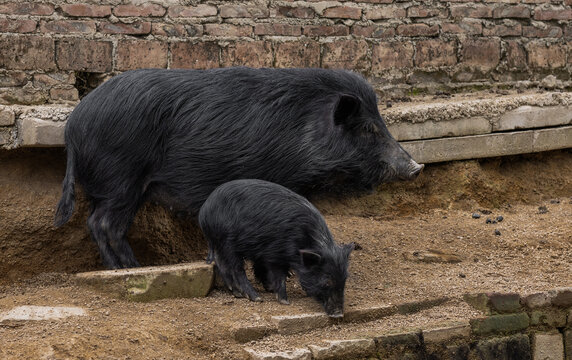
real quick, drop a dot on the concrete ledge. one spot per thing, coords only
(153, 283)
(490, 145)
(434, 131)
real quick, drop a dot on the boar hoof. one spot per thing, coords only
(284, 301)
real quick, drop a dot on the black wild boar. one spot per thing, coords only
(278, 230)
(173, 136)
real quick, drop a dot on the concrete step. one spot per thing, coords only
(154, 282)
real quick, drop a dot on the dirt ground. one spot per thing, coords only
(533, 194)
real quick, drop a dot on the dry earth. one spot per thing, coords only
(532, 253)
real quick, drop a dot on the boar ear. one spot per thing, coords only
(310, 258)
(346, 107)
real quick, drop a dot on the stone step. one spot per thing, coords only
(154, 282)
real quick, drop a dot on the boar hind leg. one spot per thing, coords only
(108, 226)
(261, 274)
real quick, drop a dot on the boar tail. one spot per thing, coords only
(66, 204)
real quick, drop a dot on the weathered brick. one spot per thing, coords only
(376, 1)
(84, 55)
(291, 324)
(548, 346)
(26, 8)
(86, 10)
(13, 78)
(296, 12)
(435, 53)
(27, 52)
(346, 54)
(138, 54)
(549, 317)
(68, 26)
(147, 9)
(17, 26)
(202, 55)
(7, 117)
(425, 12)
(374, 31)
(388, 55)
(64, 94)
(399, 346)
(23, 96)
(568, 344)
(201, 10)
(417, 30)
(248, 53)
(561, 297)
(476, 11)
(298, 54)
(243, 11)
(177, 30)
(503, 30)
(326, 30)
(556, 14)
(343, 12)
(548, 32)
(277, 29)
(515, 55)
(136, 28)
(227, 30)
(503, 1)
(500, 323)
(463, 27)
(519, 12)
(510, 347)
(481, 53)
(52, 79)
(543, 55)
(504, 302)
(385, 13)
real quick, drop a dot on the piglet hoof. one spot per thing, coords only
(284, 301)
(257, 299)
(237, 293)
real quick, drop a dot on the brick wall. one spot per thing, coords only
(56, 51)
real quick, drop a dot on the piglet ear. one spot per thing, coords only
(348, 248)
(346, 107)
(310, 258)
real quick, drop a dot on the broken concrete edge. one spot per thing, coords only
(153, 283)
(489, 107)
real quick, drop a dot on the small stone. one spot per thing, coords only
(542, 209)
(476, 216)
(500, 218)
(388, 104)
(488, 221)
(555, 201)
(485, 211)
(497, 232)
(461, 275)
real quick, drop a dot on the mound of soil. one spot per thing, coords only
(416, 240)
